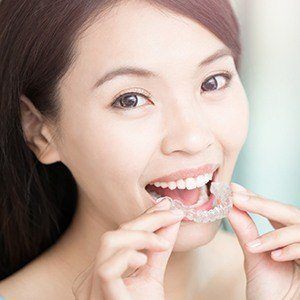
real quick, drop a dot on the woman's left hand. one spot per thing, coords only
(268, 276)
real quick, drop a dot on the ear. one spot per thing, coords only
(36, 133)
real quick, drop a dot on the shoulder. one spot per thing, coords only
(10, 287)
(21, 285)
(34, 281)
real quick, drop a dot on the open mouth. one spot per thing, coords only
(189, 193)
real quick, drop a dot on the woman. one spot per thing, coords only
(80, 142)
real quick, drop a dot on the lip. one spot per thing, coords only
(205, 206)
(185, 173)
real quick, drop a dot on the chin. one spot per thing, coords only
(192, 235)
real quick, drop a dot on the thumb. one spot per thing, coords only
(246, 231)
(157, 261)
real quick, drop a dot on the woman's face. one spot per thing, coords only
(113, 151)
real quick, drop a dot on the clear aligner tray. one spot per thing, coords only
(222, 193)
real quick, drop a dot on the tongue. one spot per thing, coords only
(187, 197)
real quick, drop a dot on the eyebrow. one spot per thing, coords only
(140, 72)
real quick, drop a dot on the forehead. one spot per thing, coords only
(138, 33)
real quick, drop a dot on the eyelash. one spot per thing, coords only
(143, 93)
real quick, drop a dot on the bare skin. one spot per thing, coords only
(113, 152)
(46, 276)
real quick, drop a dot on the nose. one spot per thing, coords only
(186, 130)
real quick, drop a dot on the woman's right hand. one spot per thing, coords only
(118, 253)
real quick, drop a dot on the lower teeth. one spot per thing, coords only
(221, 191)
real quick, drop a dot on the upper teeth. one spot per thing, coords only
(203, 197)
(188, 183)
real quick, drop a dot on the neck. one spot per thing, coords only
(182, 275)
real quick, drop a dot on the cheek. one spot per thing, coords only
(109, 150)
(229, 121)
(124, 150)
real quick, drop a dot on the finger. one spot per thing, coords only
(290, 252)
(157, 261)
(113, 241)
(163, 204)
(271, 209)
(276, 239)
(246, 231)
(237, 187)
(154, 220)
(109, 273)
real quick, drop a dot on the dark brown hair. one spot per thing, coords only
(37, 47)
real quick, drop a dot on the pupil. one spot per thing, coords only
(210, 84)
(128, 100)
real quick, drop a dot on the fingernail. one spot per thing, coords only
(277, 253)
(163, 203)
(254, 243)
(240, 198)
(177, 212)
(238, 188)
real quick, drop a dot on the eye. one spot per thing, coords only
(216, 82)
(130, 99)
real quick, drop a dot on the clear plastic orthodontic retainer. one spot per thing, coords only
(222, 193)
